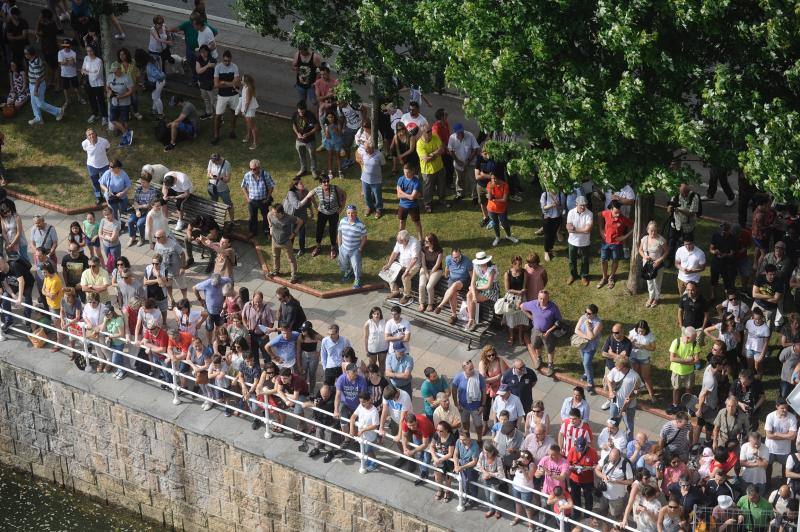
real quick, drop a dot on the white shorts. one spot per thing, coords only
(251, 113)
(227, 102)
(178, 281)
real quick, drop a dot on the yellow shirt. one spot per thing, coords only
(423, 149)
(88, 278)
(683, 350)
(52, 285)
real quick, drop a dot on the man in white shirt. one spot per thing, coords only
(781, 428)
(407, 252)
(68, 60)
(398, 329)
(363, 423)
(505, 400)
(96, 149)
(463, 148)
(413, 116)
(690, 262)
(396, 404)
(611, 438)
(206, 36)
(753, 458)
(177, 185)
(579, 225)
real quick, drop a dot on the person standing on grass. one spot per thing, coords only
(551, 204)
(653, 249)
(371, 178)
(409, 193)
(616, 229)
(119, 88)
(219, 177)
(248, 105)
(68, 61)
(430, 150)
(37, 86)
(580, 221)
(283, 229)
(305, 127)
(204, 71)
(227, 82)
(690, 261)
(684, 353)
(351, 239)
(92, 68)
(497, 205)
(463, 149)
(156, 78)
(257, 186)
(97, 163)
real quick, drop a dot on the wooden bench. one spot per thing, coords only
(193, 206)
(440, 323)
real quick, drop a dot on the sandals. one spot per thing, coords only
(453, 319)
(439, 494)
(488, 514)
(611, 284)
(448, 496)
(421, 307)
(430, 308)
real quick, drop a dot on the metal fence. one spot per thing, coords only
(90, 350)
(743, 518)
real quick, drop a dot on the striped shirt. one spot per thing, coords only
(571, 433)
(258, 189)
(327, 204)
(676, 440)
(145, 197)
(352, 233)
(35, 69)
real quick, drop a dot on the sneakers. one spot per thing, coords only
(357, 284)
(35, 122)
(512, 238)
(60, 115)
(206, 406)
(91, 119)
(314, 451)
(205, 116)
(371, 466)
(672, 409)
(138, 116)
(516, 197)
(484, 222)
(120, 37)
(169, 147)
(405, 301)
(730, 202)
(606, 405)
(255, 424)
(294, 279)
(495, 241)
(490, 225)
(180, 225)
(104, 121)
(328, 457)
(132, 242)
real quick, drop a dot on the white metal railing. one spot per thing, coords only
(172, 368)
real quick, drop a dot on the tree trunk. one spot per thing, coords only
(108, 55)
(375, 105)
(642, 214)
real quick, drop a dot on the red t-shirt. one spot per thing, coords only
(159, 340)
(442, 129)
(745, 243)
(424, 427)
(184, 342)
(726, 466)
(498, 189)
(615, 228)
(588, 460)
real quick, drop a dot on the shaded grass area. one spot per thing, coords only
(48, 162)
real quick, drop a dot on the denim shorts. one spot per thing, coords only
(119, 113)
(611, 252)
(752, 353)
(526, 496)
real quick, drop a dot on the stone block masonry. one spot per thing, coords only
(154, 467)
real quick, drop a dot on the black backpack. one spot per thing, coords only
(162, 132)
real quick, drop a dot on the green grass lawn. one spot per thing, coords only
(47, 161)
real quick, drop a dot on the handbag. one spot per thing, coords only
(649, 272)
(202, 377)
(578, 341)
(505, 304)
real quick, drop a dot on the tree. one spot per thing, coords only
(373, 40)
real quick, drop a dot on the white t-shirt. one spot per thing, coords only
(738, 311)
(94, 71)
(757, 335)
(620, 471)
(220, 170)
(774, 423)
(206, 36)
(96, 155)
(617, 440)
(690, 260)
(183, 183)
(649, 338)
(580, 220)
(408, 252)
(394, 328)
(70, 70)
(462, 148)
(419, 120)
(627, 193)
(397, 407)
(365, 418)
(188, 323)
(753, 475)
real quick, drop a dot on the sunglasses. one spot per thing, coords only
(616, 332)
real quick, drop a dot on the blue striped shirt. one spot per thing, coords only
(352, 233)
(145, 197)
(258, 189)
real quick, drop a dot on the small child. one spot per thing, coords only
(231, 305)
(502, 417)
(332, 143)
(76, 235)
(91, 232)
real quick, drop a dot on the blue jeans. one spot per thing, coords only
(587, 357)
(118, 206)
(366, 448)
(94, 175)
(136, 222)
(469, 477)
(118, 359)
(491, 496)
(306, 94)
(372, 196)
(37, 101)
(627, 417)
(426, 457)
(350, 260)
(166, 366)
(113, 250)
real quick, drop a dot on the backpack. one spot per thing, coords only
(162, 132)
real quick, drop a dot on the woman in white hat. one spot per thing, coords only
(483, 286)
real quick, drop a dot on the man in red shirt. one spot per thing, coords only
(178, 351)
(154, 343)
(416, 430)
(572, 429)
(582, 459)
(616, 229)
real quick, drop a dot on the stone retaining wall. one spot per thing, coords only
(164, 473)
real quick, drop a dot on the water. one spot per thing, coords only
(31, 504)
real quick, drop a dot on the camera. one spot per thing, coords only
(196, 233)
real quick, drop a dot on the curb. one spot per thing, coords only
(572, 381)
(330, 294)
(51, 206)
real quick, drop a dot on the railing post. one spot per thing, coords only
(461, 503)
(362, 456)
(562, 522)
(267, 428)
(88, 368)
(174, 366)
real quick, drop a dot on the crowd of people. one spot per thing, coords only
(709, 467)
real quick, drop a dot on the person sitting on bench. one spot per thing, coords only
(458, 272)
(202, 225)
